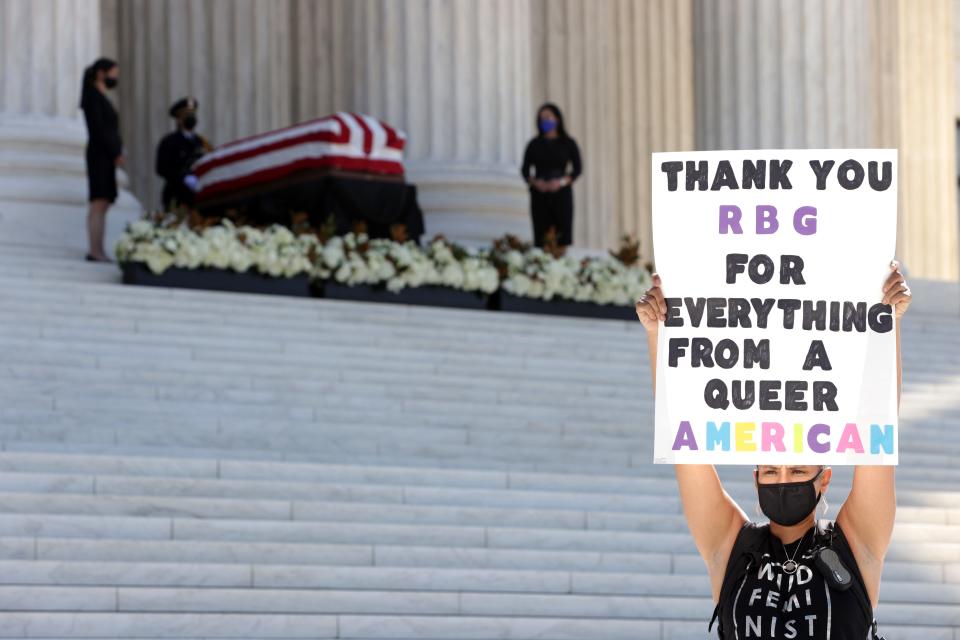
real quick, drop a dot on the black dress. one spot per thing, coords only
(104, 145)
(770, 603)
(550, 158)
(176, 154)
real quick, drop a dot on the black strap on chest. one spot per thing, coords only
(745, 555)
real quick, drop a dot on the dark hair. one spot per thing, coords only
(555, 110)
(90, 74)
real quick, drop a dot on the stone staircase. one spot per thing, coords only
(182, 464)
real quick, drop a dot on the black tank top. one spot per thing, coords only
(773, 603)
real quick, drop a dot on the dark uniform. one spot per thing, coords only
(175, 157)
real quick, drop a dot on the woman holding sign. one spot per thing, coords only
(797, 577)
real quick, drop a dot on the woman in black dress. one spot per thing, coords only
(551, 196)
(104, 149)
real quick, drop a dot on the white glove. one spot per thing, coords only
(191, 182)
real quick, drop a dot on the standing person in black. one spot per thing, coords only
(551, 195)
(104, 150)
(176, 154)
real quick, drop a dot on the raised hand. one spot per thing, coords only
(896, 292)
(652, 308)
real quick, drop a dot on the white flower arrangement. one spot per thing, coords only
(275, 251)
(355, 259)
(531, 272)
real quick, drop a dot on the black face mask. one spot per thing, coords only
(189, 122)
(110, 83)
(788, 503)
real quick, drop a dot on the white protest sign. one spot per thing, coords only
(776, 349)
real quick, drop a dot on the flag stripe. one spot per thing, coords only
(355, 142)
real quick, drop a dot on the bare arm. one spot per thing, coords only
(712, 515)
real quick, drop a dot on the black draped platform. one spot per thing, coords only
(378, 200)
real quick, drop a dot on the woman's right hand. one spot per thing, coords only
(652, 308)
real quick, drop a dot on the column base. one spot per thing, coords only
(471, 205)
(43, 184)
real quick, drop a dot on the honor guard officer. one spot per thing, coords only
(177, 152)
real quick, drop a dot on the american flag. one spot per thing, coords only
(348, 141)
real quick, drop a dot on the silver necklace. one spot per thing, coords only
(790, 566)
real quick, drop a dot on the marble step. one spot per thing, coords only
(367, 502)
(896, 587)
(33, 410)
(28, 369)
(418, 454)
(157, 304)
(906, 530)
(419, 485)
(63, 380)
(380, 627)
(944, 547)
(193, 386)
(422, 559)
(96, 285)
(417, 468)
(130, 328)
(921, 369)
(935, 523)
(28, 418)
(166, 497)
(61, 273)
(315, 511)
(238, 385)
(28, 598)
(161, 625)
(164, 320)
(398, 453)
(347, 438)
(312, 553)
(504, 402)
(167, 356)
(124, 331)
(510, 405)
(307, 436)
(131, 321)
(221, 305)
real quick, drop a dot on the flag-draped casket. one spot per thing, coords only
(346, 141)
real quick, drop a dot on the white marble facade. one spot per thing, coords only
(463, 78)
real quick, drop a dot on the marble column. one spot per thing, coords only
(622, 71)
(915, 95)
(453, 74)
(782, 74)
(44, 47)
(232, 55)
(841, 73)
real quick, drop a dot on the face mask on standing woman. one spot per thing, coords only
(788, 503)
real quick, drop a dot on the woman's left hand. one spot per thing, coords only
(896, 292)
